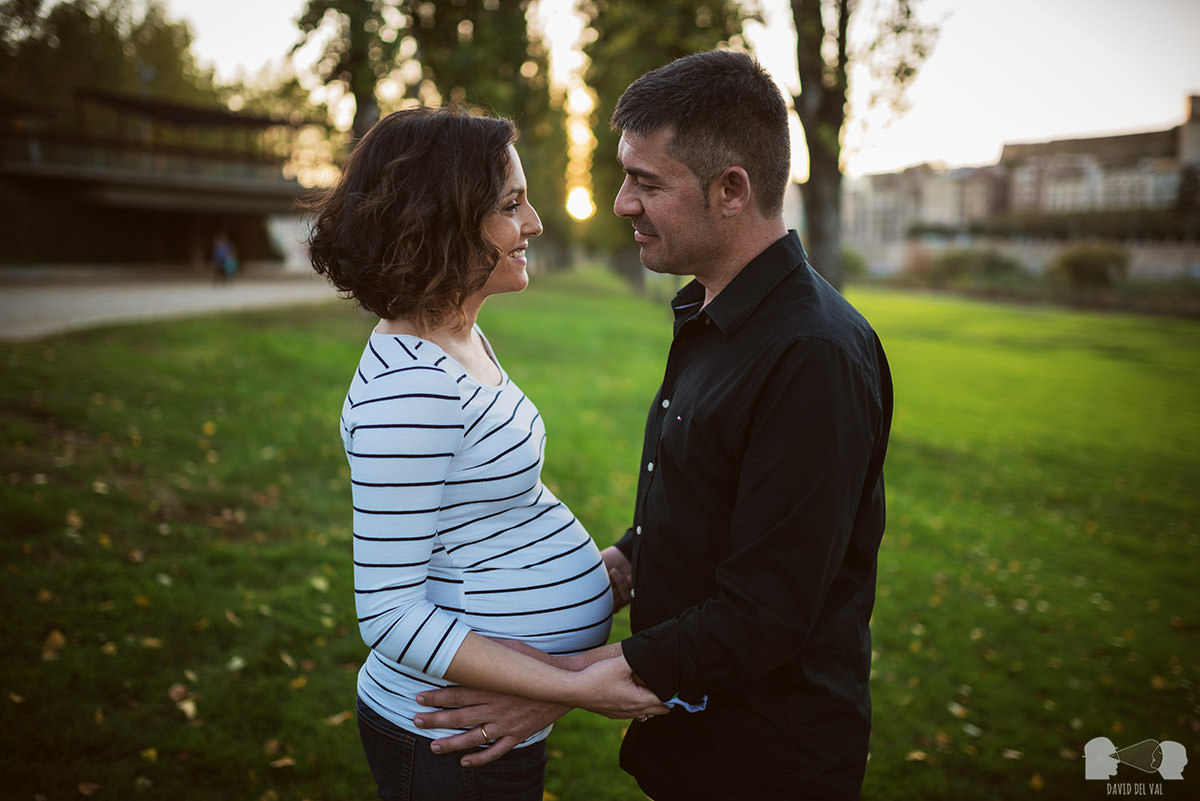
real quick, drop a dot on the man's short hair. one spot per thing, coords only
(725, 110)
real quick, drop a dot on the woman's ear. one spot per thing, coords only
(731, 191)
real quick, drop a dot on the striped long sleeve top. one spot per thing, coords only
(454, 530)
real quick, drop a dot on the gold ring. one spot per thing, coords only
(483, 731)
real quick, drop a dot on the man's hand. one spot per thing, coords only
(507, 719)
(620, 576)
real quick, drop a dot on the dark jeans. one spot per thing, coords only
(406, 770)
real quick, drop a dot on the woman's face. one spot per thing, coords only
(510, 227)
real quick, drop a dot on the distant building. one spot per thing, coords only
(125, 178)
(1132, 171)
(1147, 171)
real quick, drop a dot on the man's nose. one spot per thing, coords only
(624, 205)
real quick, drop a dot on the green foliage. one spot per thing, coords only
(478, 54)
(854, 266)
(481, 54)
(896, 45)
(1151, 224)
(361, 53)
(174, 531)
(87, 44)
(1090, 264)
(632, 38)
(968, 265)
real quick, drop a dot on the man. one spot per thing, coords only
(760, 504)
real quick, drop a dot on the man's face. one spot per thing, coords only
(677, 232)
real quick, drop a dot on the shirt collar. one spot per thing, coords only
(734, 304)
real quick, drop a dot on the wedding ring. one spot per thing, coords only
(483, 731)
(643, 718)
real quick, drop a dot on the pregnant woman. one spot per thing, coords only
(467, 569)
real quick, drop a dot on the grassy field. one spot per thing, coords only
(174, 532)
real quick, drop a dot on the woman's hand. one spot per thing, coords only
(611, 688)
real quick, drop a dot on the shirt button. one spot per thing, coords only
(650, 467)
(666, 403)
(637, 530)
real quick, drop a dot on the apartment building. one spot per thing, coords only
(1132, 172)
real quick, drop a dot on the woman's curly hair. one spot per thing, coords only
(402, 230)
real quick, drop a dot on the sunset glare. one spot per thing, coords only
(579, 203)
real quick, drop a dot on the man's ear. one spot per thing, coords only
(731, 191)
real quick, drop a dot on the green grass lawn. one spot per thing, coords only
(174, 533)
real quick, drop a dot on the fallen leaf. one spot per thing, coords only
(339, 718)
(188, 708)
(298, 682)
(283, 762)
(88, 789)
(150, 754)
(1036, 782)
(54, 642)
(235, 663)
(1012, 753)
(177, 692)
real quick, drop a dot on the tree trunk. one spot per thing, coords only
(822, 195)
(821, 107)
(366, 112)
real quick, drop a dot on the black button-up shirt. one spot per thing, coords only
(760, 509)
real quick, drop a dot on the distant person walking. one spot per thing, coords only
(224, 256)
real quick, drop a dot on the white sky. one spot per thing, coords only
(1002, 70)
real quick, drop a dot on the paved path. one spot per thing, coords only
(33, 305)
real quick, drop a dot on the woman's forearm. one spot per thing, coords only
(600, 684)
(512, 668)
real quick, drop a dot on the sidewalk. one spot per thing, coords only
(36, 303)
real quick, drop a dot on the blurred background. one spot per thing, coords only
(174, 527)
(935, 142)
